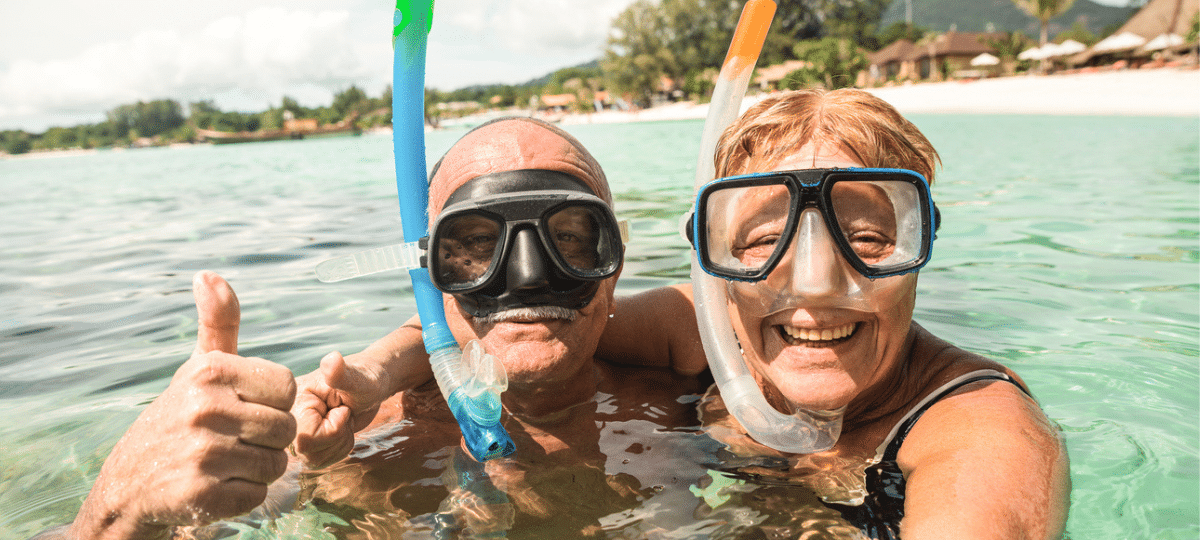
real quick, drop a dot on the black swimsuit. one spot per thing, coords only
(880, 512)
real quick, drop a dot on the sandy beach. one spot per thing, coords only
(1144, 92)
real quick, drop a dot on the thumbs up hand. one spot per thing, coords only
(205, 449)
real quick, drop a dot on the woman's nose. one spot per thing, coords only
(813, 263)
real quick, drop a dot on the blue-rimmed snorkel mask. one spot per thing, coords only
(839, 232)
(882, 221)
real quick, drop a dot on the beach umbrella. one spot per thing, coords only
(1036, 53)
(985, 59)
(1162, 42)
(1070, 46)
(1120, 42)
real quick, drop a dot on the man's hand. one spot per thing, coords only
(207, 447)
(332, 404)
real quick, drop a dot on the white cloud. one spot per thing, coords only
(248, 58)
(553, 26)
(265, 52)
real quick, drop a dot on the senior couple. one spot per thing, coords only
(815, 228)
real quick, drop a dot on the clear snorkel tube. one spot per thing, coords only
(803, 432)
(472, 381)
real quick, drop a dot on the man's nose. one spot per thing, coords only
(816, 268)
(527, 262)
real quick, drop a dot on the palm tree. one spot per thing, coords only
(1043, 11)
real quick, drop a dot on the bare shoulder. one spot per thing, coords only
(984, 462)
(655, 328)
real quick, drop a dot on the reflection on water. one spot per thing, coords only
(1068, 250)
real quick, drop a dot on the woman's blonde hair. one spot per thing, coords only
(864, 126)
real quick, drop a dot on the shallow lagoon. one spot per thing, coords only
(1069, 251)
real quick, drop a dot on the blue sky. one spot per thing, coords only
(65, 62)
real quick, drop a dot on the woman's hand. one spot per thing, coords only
(332, 404)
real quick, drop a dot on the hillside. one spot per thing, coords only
(974, 16)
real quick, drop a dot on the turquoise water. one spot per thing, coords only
(1070, 250)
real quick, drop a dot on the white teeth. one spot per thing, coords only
(818, 334)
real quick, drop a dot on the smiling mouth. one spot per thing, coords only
(816, 337)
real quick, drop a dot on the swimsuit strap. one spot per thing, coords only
(890, 447)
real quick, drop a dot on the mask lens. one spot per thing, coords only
(881, 221)
(467, 245)
(583, 239)
(744, 227)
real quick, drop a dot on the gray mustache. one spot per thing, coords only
(536, 312)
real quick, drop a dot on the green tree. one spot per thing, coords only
(680, 39)
(638, 52)
(1007, 47)
(1043, 11)
(16, 142)
(347, 101)
(202, 114)
(1078, 32)
(144, 119)
(897, 31)
(856, 21)
(832, 63)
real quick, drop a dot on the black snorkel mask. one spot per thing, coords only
(523, 238)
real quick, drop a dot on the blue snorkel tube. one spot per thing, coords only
(471, 383)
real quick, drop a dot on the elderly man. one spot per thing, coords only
(536, 292)
(538, 295)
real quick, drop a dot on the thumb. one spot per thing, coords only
(333, 369)
(218, 311)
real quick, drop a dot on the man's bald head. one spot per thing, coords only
(510, 144)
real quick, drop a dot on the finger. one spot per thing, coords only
(266, 427)
(245, 462)
(227, 499)
(218, 313)
(333, 370)
(252, 380)
(324, 440)
(265, 383)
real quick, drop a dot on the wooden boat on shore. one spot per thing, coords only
(304, 128)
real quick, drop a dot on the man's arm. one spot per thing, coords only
(343, 395)
(205, 449)
(656, 328)
(985, 464)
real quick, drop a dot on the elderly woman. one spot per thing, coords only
(817, 223)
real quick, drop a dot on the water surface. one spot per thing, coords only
(1069, 250)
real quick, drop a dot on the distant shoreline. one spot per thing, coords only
(1136, 92)
(1141, 92)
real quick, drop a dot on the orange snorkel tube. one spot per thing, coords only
(802, 432)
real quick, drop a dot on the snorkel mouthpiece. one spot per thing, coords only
(474, 396)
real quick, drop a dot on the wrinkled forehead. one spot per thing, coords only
(509, 146)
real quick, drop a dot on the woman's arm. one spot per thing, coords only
(985, 463)
(656, 328)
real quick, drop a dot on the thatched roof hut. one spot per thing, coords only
(1157, 18)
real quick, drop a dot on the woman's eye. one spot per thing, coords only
(871, 247)
(755, 250)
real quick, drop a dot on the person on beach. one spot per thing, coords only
(818, 257)
(210, 446)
